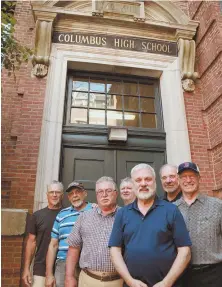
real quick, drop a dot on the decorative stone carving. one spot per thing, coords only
(188, 85)
(40, 59)
(40, 70)
(187, 61)
(134, 9)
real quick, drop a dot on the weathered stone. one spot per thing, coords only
(13, 221)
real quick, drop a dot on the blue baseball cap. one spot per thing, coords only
(186, 166)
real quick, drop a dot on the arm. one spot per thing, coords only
(121, 268)
(179, 265)
(71, 261)
(50, 260)
(29, 254)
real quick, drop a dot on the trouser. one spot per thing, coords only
(60, 272)
(87, 281)
(204, 276)
(38, 281)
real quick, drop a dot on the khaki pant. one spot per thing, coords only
(87, 281)
(38, 281)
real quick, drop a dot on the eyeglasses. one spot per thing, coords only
(56, 192)
(101, 192)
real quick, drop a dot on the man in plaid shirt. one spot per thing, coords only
(88, 241)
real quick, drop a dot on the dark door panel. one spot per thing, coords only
(86, 166)
(126, 160)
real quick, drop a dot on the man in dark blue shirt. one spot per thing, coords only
(152, 236)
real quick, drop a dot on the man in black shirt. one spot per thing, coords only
(170, 182)
(40, 235)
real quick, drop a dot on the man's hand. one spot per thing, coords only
(70, 281)
(136, 283)
(50, 281)
(161, 284)
(27, 278)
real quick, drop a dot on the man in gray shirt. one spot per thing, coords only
(203, 217)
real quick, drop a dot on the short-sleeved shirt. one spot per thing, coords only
(63, 225)
(41, 226)
(204, 222)
(149, 242)
(91, 233)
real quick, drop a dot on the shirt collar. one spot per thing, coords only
(134, 204)
(200, 197)
(176, 198)
(99, 211)
(72, 208)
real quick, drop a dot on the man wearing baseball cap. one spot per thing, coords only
(62, 227)
(203, 217)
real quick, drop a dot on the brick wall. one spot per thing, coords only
(12, 247)
(22, 110)
(204, 106)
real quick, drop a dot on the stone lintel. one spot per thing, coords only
(13, 221)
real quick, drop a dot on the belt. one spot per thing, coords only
(102, 278)
(203, 267)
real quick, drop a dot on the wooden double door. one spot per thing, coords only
(86, 165)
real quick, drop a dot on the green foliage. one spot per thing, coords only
(13, 54)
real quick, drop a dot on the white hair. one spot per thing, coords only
(126, 180)
(107, 179)
(143, 166)
(167, 165)
(61, 187)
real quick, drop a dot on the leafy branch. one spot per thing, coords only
(13, 54)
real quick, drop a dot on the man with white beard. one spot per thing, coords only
(150, 245)
(62, 227)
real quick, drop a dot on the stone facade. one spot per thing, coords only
(23, 103)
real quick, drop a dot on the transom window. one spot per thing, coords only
(112, 101)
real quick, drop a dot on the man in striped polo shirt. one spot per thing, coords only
(62, 227)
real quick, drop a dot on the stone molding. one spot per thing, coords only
(43, 36)
(187, 51)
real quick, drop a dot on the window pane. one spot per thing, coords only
(146, 90)
(78, 116)
(148, 121)
(114, 118)
(97, 85)
(131, 119)
(80, 84)
(114, 87)
(97, 117)
(97, 101)
(147, 105)
(131, 103)
(130, 88)
(79, 99)
(114, 102)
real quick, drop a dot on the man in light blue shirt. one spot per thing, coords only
(62, 227)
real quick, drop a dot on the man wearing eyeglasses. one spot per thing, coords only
(62, 227)
(88, 242)
(40, 234)
(203, 217)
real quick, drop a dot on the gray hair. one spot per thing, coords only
(126, 180)
(143, 166)
(167, 165)
(107, 179)
(61, 187)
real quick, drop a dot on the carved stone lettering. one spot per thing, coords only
(117, 42)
